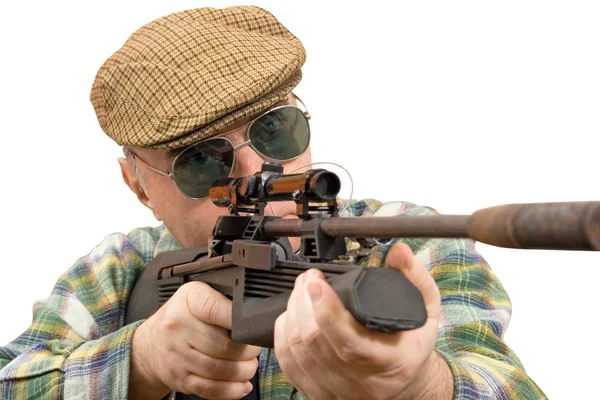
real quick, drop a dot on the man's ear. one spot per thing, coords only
(132, 181)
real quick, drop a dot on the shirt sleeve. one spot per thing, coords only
(476, 311)
(77, 345)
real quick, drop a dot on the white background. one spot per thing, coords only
(455, 105)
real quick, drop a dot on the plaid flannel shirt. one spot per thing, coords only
(79, 347)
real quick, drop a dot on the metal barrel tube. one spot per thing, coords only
(447, 226)
(555, 226)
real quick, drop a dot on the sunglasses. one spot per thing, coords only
(281, 134)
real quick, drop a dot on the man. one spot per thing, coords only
(204, 94)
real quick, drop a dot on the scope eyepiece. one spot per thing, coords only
(325, 185)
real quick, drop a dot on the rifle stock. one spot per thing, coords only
(379, 298)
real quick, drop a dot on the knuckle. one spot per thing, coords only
(209, 307)
(202, 303)
(240, 371)
(172, 321)
(351, 354)
(191, 384)
(228, 346)
(311, 337)
(295, 338)
(214, 369)
(188, 289)
(231, 350)
(168, 320)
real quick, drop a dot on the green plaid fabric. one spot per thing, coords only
(78, 345)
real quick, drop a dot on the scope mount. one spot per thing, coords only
(314, 193)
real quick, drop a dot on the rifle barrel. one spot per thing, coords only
(553, 226)
(444, 226)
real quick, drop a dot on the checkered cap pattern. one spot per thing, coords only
(184, 77)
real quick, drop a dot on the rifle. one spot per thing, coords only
(250, 260)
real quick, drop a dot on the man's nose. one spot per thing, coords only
(247, 162)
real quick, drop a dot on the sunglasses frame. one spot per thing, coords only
(172, 175)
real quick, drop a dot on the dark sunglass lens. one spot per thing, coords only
(282, 134)
(202, 164)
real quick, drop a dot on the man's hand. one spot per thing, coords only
(327, 354)
(186, 347)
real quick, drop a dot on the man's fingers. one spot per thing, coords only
(400, 257)
(212, 308)
(304, 334)
(208, 305)
(337, 325)
(213, 389)
(292, 371)
(217, 369)
(216, 342)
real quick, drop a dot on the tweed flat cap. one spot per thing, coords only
(183, 77)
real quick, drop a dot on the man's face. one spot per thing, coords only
(191, 221)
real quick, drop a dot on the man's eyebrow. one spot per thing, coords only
(282, 102)
(172, 153)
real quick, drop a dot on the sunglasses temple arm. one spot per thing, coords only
(158, 171)
(305, 111)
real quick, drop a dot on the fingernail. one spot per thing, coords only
(303, 278)
(311, 273)
(248, 388)
(299, 280)
(314, 290)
